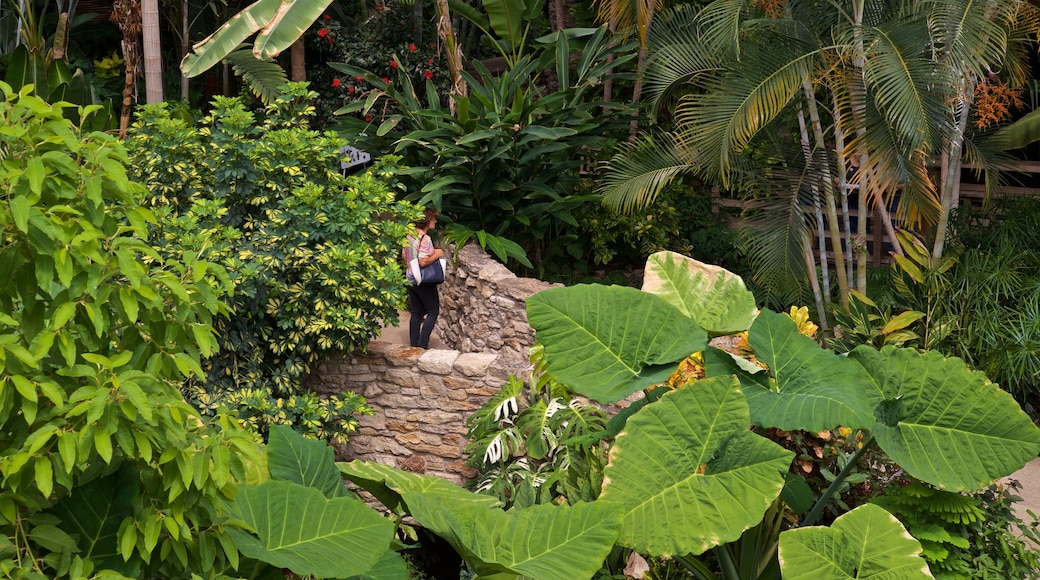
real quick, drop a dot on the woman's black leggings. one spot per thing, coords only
(424, 304)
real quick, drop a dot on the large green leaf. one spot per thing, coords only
(293, 457)
(689, 472)
(300, 529)
(390, 567)
(506, 17)
(714, 297)
(606, 342)
(537, 542)
(293, 18)
(945, 424)
(94, 513)
(811, 388)
(25, 69)
(867, 542)
(218, 45)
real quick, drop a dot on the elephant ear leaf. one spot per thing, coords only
(698, 441)
(536, 542)
(867, 542)
(713, 296)
(812, 388)
(309, 462)
(944, 423)
(607, 342)
(96, 522)
(298, 528)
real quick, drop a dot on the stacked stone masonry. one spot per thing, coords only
(484, 306)
(422, 398)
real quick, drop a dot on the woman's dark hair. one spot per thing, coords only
(429, 214)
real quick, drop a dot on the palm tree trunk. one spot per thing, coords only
(821, 234)
(127, 15)
(637, 89)
(153, 76)
(297, 67)
(827, 182)
(858, 258)
(951, 184)
(453, 53)
(185, 46)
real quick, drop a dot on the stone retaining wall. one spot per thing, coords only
(421, 400)
(483, 306)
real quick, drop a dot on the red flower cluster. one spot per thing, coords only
(335, 83)
(326, 17)
(393, 64)
(428, 74)
(412, 47)
(323, 32)
(358, 79)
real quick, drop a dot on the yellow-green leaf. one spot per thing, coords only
(127, 539)
(25, 387)
(44, 475)
(67, 450)
(103, 445)
(901, 321)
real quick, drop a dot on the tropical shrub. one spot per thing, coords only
(973, 535)
(105, 466)
(686, 474)
(534, 443)
(313, 254)
(505, 167)
(607, 343)
(386, 43)
(981, 302)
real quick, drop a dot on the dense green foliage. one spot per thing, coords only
(105, 465)
(504, 167)
(966, 536)
(313, 254)
(387, 42)
(533, 442)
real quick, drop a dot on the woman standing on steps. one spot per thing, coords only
(424, 303)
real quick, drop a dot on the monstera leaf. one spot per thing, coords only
(537, 542)
(810, 388)
(712, 296)
(293, 457)
(300, 529)
(867, 542)
(945, 424)
(606, 342)
(689, 473)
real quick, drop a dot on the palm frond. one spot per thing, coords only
(263, 77)
(906, 86)
(677, 56)
(778, 224)
(736, 106)
(972, 34)
(635, 176)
